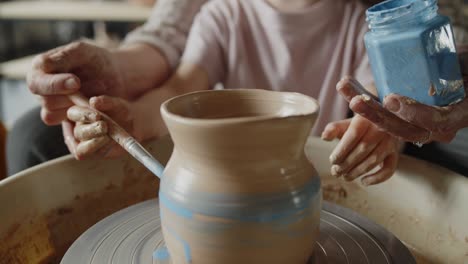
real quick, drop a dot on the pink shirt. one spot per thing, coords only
(249, 44)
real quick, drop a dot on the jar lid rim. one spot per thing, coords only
(394, 9)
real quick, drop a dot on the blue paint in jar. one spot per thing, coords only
(412, 52)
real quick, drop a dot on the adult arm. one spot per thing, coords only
(144, 61)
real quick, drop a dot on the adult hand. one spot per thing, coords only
(65, 70)
(89, 136)
(404, 118)
(362, 148)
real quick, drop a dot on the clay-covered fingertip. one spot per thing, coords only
(326, 136)
(358, 104)
(345, 80)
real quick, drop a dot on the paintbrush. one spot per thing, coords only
(123, 138)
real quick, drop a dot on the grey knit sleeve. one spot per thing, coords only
(168, 27)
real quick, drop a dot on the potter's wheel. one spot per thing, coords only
(134, 234)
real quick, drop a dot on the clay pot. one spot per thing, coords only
(238, 187)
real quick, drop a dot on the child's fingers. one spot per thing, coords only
(388, 169)
(368, 143)
(110, 105)
(89, 147)
(82, 114)
(335, 130)
(103, 103)
(376, 157)
(115, 107)
(84, 132)
(356, 130)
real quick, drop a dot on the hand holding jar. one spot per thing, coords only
(405, 118)
(417, 73)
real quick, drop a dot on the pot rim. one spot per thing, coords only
(238, 120)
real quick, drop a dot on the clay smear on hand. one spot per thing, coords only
(90, 131)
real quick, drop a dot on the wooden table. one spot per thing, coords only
(76, 11)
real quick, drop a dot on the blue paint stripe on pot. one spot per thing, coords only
(161, 254)
(174, 207)
(253, 208)
(185, 244)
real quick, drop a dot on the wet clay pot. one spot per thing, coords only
(238, 187)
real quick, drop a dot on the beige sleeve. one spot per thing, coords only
(168, 27)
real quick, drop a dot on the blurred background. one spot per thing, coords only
(28, 28)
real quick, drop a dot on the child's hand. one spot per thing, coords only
(362, 148)
(88, 135)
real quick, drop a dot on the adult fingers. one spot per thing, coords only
(65, 58)
(89, 147)
(55, 102)
(388, 169)
(376, 157)
(335, 130)
(350, 139)
(53, 118)
(435, 119)
(85, 132)
(93, 88)
(387, 121)
(366, 145)
(70, 141)
(445, 137)
(50, 72)
(41, 83)
(83, 114)
(349, 88)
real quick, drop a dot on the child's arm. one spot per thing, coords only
(142, 118)
(148, 121)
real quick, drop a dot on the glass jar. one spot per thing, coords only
(412, 52)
